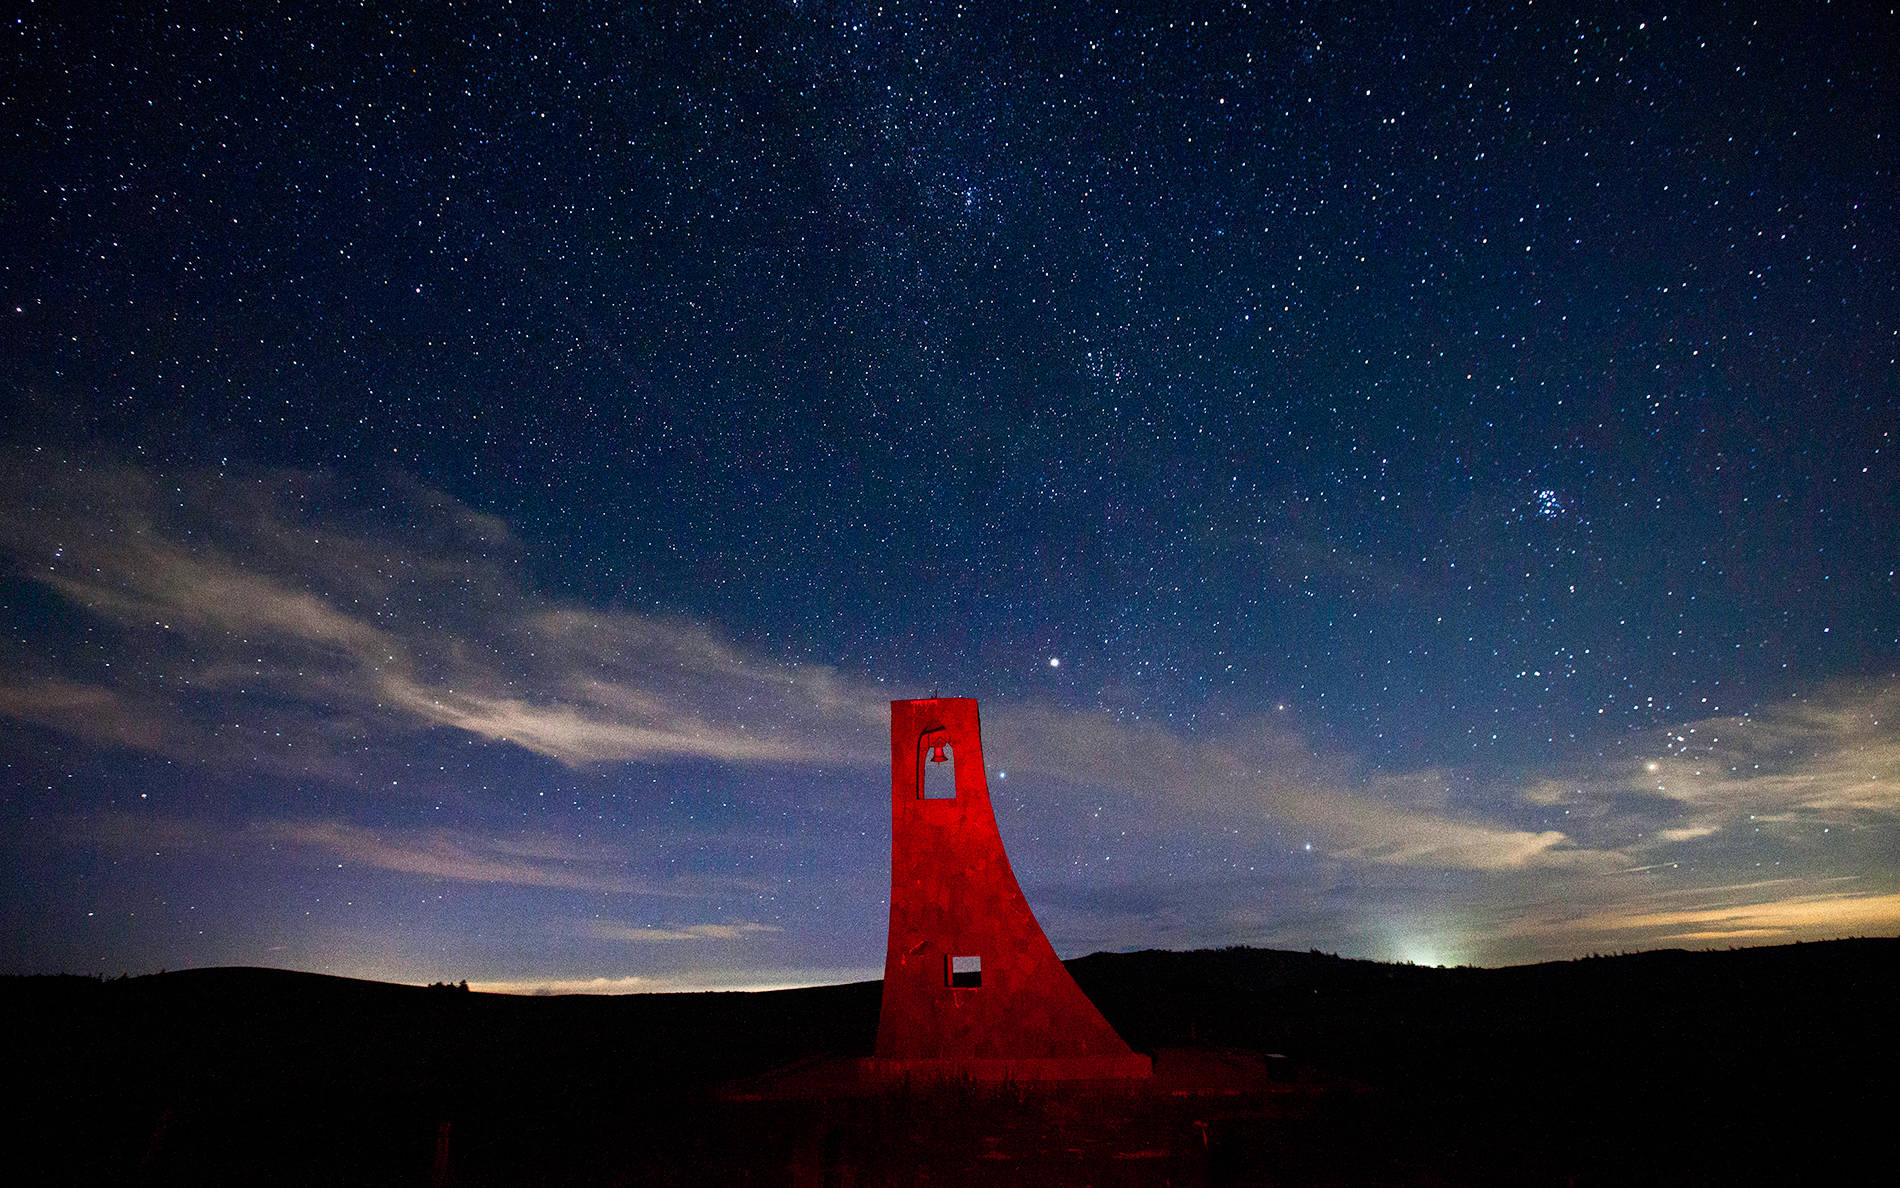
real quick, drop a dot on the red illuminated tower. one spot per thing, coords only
(972, 988)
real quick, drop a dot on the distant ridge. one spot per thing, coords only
(1590, 1070)
(1101, 963)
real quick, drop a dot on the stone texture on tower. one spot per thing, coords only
(972, 987)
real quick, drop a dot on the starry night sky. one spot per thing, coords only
(1418, 482)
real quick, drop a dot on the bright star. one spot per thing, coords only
(1055, 662)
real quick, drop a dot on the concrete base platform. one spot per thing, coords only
(1071, 1068)
(1170, 1072)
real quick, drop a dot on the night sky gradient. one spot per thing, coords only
(1412, 481)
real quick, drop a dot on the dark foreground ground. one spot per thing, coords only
(1771, 1065)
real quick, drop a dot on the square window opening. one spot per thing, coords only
(965, 972)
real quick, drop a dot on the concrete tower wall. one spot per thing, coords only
(954, 896)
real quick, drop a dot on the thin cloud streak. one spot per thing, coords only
(91, 712)
(1830, 760)
(1839, 911)
(1600, 913)
(1833, 757)
(518, 860)
(600, 687)
(1264, 771)
(577, 732)
(441, 854)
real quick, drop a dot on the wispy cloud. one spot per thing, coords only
(442, 854)
(1836, 912)
(1795, 908)
(1833, 756)
(1829, 759)
(1260, 771)
(519, 859)
(263, 610)
(305, 641)
(593, 724)
(91, 712)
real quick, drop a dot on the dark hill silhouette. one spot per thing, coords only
(1753, 1065)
